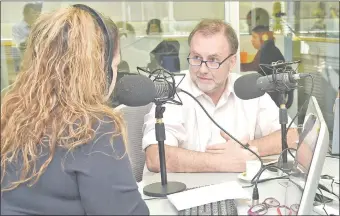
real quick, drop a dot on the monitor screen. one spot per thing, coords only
(309, 158)
(307, 143)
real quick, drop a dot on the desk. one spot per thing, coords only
(272, 188)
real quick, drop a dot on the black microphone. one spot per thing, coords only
(245, 87)
(164, 90)
(279, 82)
(139, 90)
(254, 85)
(135, 90)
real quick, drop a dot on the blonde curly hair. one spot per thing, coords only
(59, 94)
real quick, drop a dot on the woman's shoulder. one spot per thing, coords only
(106, 139)
(105, 124)
(105, 146)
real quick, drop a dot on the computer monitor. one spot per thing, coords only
(309, 161)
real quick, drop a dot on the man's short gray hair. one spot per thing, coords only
(213, 26)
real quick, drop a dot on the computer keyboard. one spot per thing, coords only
(225, 207)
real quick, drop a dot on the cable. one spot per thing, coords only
(301, 108)
(333, 190)
(325, 188)
(287, 149)
(255, 195)
(246, 146)
(323, 202)
(304, 103)
(265, 168)
(266, 180)
(291, 154)
(333, 156)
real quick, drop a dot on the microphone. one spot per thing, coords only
(164, 90)
(139, 90)
(245, 87)
(135, 90)
(254, 85)
(279, 82)
(165, 84)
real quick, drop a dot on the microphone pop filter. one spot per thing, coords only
(245, 87)
(135, 90)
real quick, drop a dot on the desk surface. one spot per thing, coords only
(273, 188)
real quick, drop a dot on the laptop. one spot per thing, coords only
(309, 161)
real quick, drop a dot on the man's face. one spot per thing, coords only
(256, 40)
(210, 48)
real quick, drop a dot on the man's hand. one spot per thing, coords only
(228, 145)
(232, 151)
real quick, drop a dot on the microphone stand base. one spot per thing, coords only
(159, 190)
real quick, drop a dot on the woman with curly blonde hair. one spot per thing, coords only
(62, 145)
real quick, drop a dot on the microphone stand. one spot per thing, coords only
(283, 115)
(163, 188)
(283, 118)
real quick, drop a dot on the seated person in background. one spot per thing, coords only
(62, 147)
(193, 142)
(263, 40)
(154, 27)
(21, 30)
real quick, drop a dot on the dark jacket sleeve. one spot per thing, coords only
(104, 176)
(269, 54)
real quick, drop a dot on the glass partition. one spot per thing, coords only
(303, 30)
